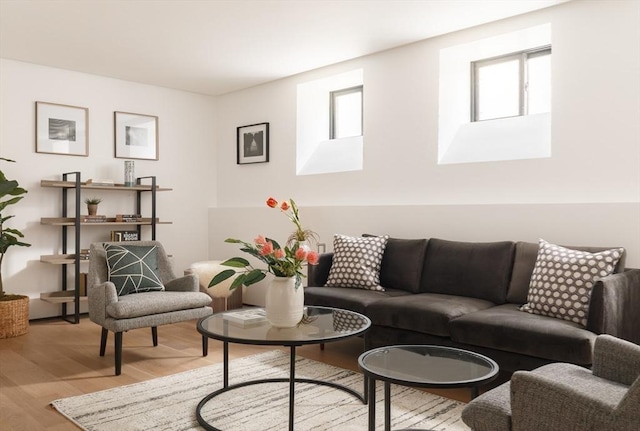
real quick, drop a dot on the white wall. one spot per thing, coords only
(187, 164)
(592, 175)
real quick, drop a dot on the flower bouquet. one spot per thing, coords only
(281, 261)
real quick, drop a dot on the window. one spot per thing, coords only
(511, 85)
(346, 113)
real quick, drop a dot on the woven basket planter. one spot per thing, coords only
(14, 317)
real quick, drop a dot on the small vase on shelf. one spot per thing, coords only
(284, 304)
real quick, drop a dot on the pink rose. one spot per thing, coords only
(278, 253)
(260, 240)
(313, 257)
(300, 254)
(267, 248)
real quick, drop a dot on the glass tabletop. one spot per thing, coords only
(428, 366)
(319, 325)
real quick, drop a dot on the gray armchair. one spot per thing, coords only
(180, 300)
(567, 397)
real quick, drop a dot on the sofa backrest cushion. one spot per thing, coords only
(476, 270)
(402, 264)
(524, 262)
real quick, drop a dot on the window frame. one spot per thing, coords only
(333, 95)
(523, 96)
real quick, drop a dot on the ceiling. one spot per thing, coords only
(219, 46)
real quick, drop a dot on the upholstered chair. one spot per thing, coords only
(132, 285)
(567, 397)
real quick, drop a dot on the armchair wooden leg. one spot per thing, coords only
(154, 335)
(205, 345)
(118, 353)
(103, 341)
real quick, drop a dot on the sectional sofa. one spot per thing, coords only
(469, 295)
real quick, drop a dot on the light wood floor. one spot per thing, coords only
(57, 359)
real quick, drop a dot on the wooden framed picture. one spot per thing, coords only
(253, 143)
(136, 136)
(62, 129)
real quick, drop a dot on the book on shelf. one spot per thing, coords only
(84, 254)
(125, 235)
(100, 182)
(93, 218)
(246, 317)
(120, 218)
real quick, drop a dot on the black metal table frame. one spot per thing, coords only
(291, 379)
(370, 384)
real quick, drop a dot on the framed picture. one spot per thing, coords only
(62, 129)
(253, 143)
(136, 136)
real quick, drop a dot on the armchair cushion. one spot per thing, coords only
(150, 303)
(133, 268)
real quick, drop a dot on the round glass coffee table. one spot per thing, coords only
(422, 366)
(320, 325)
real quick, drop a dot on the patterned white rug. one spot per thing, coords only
(169, 403)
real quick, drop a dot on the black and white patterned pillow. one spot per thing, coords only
(563, 278)
(133, 268)
(356, 262)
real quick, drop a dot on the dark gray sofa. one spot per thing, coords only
(467, 295)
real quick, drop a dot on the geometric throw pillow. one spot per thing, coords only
(133, 268)
(563, 278)
(356, 262)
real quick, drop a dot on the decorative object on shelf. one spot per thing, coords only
(284, 302)
(284, 263)
(92, 205)
(14, 309)
(253, 144)
(62, 129)
(136, 136)
(129, 173)
(125, 235)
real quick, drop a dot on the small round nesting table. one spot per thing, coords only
(320, 325)
(422, 366)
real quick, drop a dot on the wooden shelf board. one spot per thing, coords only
(83, 185)
(61, 297)
(70, 221)
(60, 259)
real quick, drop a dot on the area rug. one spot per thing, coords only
(169, 403)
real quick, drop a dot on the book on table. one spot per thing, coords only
(246, 317)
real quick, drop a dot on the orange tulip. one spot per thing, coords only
(272, 203)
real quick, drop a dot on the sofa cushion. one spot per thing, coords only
(351, 299)
(505, 327)
(133, 268)
(429, 313)
(525, 259)
(460, 268)
(402, 264)
(563, 278)
(356, 262)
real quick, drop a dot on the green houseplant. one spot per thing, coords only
(92, 205)
(14, 309)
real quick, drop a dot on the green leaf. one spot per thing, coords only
(222, 276)
(239, 281)
(254, 276)
(232, 241)
(236, 262)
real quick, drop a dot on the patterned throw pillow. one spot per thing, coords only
(133, 268)
(562, 281)
(356, 262)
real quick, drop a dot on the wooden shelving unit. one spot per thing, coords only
(71, 192)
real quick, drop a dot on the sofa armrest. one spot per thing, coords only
(100, 296)
(186, 283)
(616, 359)
(317, 275)
(615, 306)
(540, 403)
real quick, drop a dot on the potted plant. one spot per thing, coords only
(14, 309)
(92, 205)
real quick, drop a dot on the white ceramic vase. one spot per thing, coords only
(284, 304)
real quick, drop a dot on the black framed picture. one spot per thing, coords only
(253, 143)
(62, 129)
